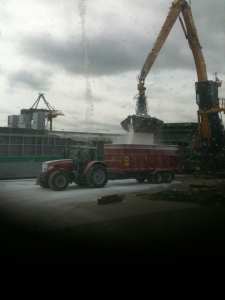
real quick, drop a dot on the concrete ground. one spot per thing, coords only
(161, 233)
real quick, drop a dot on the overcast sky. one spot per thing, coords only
(85, 55)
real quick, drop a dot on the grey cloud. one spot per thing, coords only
(106, 56)
(39, 82)
(120, 52)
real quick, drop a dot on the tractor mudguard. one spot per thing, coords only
(91, 163)
(69, 173)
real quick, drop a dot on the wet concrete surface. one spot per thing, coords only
(146, 233)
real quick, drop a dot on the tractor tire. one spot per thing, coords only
(157, 178)
(96, 176)
(167, 177)
(58, 181)
(43, 184)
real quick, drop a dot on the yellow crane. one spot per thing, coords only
(210, 129)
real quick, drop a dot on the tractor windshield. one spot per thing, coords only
(82, 154)
(74, 153)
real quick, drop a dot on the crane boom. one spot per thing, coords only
(194, 43)
(166, 28)
(190, 33)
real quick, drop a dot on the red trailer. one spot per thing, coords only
(154, 163)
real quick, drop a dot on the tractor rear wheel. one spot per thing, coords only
(96, 176)
(58, 181)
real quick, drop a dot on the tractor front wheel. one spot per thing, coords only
(58, 181)
(43, 184)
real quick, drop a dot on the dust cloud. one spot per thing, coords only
(135, 138)
(84, 41)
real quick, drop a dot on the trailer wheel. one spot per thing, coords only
(167, 177)
(58, 181)
(157, 178)
(96, 176)
(43, 184)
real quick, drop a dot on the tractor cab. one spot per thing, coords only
(82, 155)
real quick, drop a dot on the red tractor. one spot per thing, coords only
(80, 166)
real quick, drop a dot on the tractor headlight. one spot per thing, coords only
(44, 167)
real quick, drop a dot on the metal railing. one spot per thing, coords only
(21, 145)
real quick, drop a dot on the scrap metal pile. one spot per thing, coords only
(211, 195)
